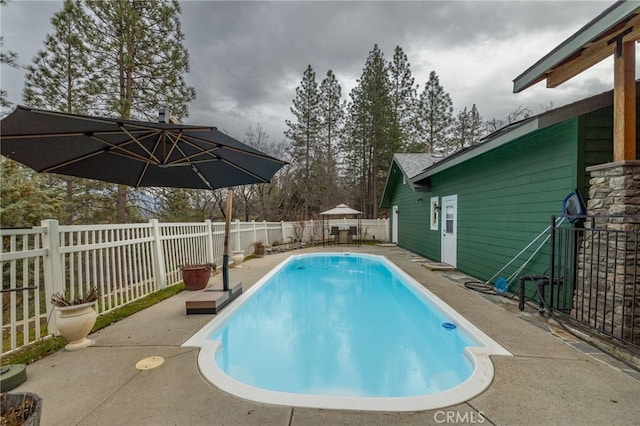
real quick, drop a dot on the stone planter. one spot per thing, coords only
(237, 257)
(196, 277)
(75, 323)
(21, 408)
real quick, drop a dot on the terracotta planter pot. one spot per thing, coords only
(74, 323)
(258, 250)
(196, 277)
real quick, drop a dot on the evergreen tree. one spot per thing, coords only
(25, 197)
(9, 58)
(403, 97)
(331, 111)
(177, 205)
(354, 148)
(368, 148)
(139, 52)
(434, 116)
(467, 129)
(61, 77)
(304, 134)
(138, 45)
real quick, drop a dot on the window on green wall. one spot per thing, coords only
(434, 214)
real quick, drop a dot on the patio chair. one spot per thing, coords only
(335, 232)
(353, 231)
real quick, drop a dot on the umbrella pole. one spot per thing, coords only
(227, 231)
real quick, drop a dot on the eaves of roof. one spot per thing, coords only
(519, 129)
(409, 164)
(617, 13)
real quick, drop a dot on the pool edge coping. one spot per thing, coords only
(479, 356)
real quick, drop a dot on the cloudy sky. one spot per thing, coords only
(247, 58)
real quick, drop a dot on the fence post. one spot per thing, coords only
(552, 267)
(255, 235)
(210, 256)
(282, 231)
(158, 255)
(238, 235)
(53, 280)
(266, 233)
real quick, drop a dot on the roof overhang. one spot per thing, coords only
(519, 130)
(590, 45)
(392, 177)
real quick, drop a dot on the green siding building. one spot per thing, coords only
(479, 207)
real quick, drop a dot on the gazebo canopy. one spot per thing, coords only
(341, 209)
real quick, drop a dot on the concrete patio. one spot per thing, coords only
(552, 378)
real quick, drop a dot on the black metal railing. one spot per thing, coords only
(593, 275)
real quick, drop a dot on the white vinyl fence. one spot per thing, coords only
(125, 262)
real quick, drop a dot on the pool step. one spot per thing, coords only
(437, 266)
(211, 300)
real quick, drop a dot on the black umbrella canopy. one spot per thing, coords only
(134, 153)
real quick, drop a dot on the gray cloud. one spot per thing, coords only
(248, 57)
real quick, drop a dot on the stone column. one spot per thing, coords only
(607, 297)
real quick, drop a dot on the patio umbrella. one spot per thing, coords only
(134, 153)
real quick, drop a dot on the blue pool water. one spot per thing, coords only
(342, 325)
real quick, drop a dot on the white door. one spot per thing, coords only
(449, 229)
(394, 224)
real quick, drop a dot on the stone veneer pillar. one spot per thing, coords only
(606, 294)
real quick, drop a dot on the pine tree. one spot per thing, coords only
(403, 97)
(61, 77)
(9, 58)
(354, 147)
(25, 197)
(304, 134)
(331, 111)
(434, 116)
(476, 126)
(368, 147)
(467, 129)
(138, 46)
(139, 52)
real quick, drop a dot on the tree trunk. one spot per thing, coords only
(69, 200)
(121, 204)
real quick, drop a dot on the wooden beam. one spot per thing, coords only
(588, 58)
(624, 102)
(592, 54)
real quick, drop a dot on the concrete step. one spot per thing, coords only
(211, 300)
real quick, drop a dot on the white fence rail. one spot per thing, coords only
(125, 262)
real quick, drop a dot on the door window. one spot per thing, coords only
(449, 219)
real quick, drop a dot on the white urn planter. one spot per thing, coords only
(74, 323)
(237, 257)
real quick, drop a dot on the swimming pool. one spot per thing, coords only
(348, 331)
